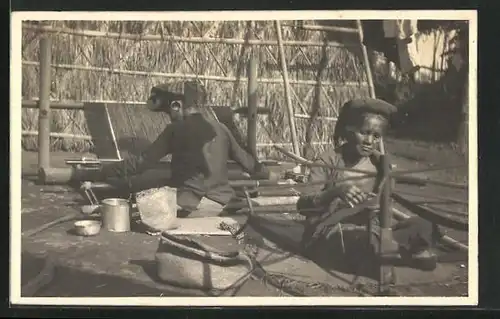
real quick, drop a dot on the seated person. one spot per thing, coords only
(200, 147)
(163, 95)
(357, 137)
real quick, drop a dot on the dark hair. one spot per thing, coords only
(198, 95)
(340, 131)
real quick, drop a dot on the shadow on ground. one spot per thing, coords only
(70, 282)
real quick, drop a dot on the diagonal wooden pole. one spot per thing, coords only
(284, 72)
(366, 60)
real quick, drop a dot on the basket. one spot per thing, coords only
(190, 262)
(157, 207)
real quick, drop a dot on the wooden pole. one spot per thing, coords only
(79, 105)
(252, 105)
(192, 76)
(366, 60)
(284, 71)
(60, 135)
(113, 136)
(386, 244)
(173, 38)
(44, 103)
(323, 28)
(385, 199)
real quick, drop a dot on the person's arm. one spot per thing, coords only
(160, 148)
(226, 117)
(135, 164)
(318, 196)
(249, 164)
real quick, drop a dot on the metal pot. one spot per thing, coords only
(115, 213)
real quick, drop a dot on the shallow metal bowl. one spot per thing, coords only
(87, 227)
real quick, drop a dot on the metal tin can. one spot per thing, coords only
(115, 214)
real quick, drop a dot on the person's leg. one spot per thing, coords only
(226, 196)
(195, 205)
(416, 238)
(207, 208)
(187, 201)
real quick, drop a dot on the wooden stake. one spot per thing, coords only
(44, 103)
(284, 72)
(252, 105)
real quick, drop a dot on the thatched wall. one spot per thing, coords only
(328, 63)
(225, 65)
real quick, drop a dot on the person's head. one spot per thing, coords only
(361, 125)
(178, 99)
(167, 98)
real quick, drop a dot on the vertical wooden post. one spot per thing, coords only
(385, 199)
(44, 103)
(252, 105)
(284, 71)
(387, 244)
(368, 69)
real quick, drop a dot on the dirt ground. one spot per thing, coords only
(113, 264)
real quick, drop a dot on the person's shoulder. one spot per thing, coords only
(222, 126)
(222, 111)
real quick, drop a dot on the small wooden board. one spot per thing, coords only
(202, 226)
